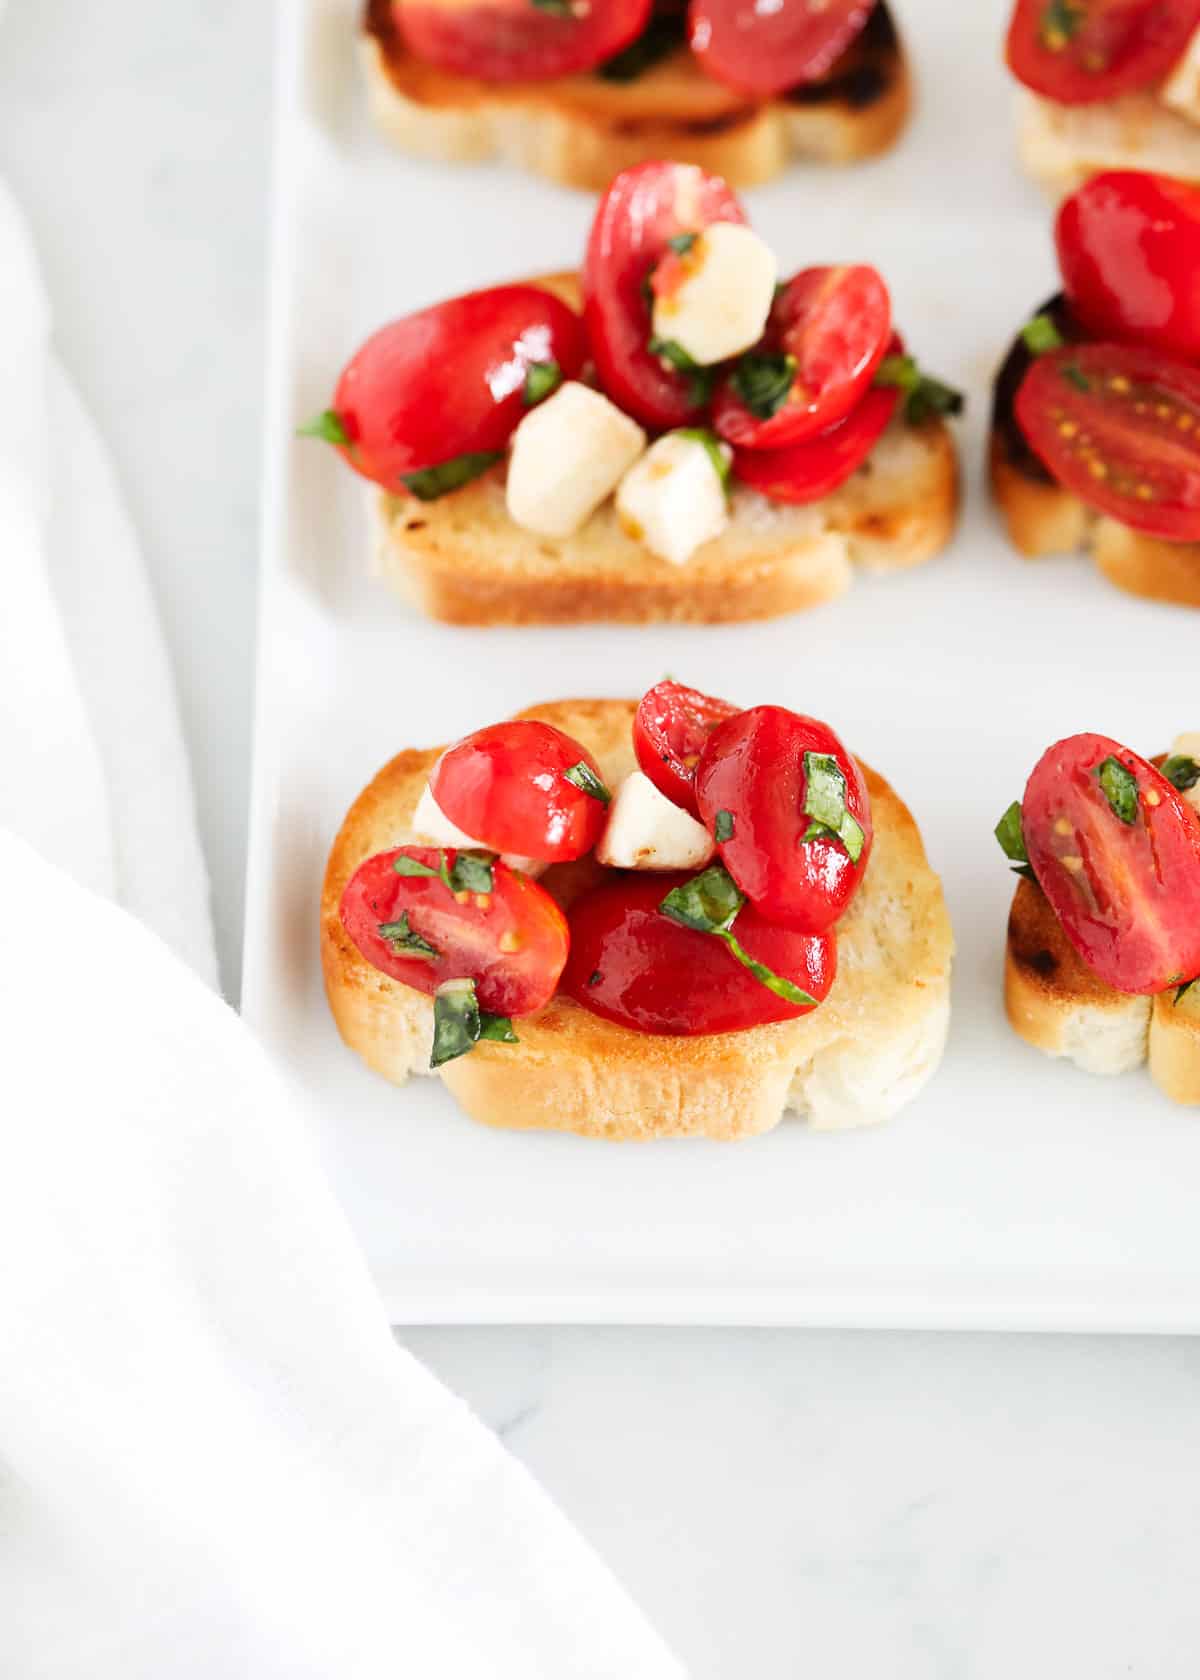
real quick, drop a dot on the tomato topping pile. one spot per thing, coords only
(1120, 427)
(1079, 52)
(518, 40)
(746, 941)
(1116, 850)
(1129, 252)
(763, 50)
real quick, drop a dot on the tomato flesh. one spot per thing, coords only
(507, 787)
(1127, 893)
(754, 769)
(633, 965)
(837, 324)
(512, 941)
(643, 209)
(670, 730)
(1081, 51)
(518, 40)
(1119, 426)
(764, 50)
(804, 472)
(1129, 251)
(450, 380)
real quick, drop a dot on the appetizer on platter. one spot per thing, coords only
(1104, 935)
(578, 92)
(1108, 84)
(678, 433)
(673, 918)
(1096, 423)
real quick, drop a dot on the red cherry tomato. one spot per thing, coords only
(670, 730)
(766, 49)
(518, 40)
(450, 381)
(521, 788)
(1129, 251)
(512, 941)
(642, 210)
(635, 966)
(1081, 51)
(837, 323)
(1120, 427)
(756, 768)
(804, 472)
(1127, 892)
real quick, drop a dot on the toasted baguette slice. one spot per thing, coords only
(1062, 146)
(462, 559)
(582, 130)
(1055, 1002)
(865, 1053)
(1043, 518)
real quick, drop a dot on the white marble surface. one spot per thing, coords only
(783, 1503)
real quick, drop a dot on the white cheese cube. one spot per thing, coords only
(721, 305)
(1181, 90)
(1188, 746)
(568, 454)
(674, 498)
(645, 831)
(432, 825)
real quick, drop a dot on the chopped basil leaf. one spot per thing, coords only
(825, 803)
(413, 866)
(924, 396)
(1060, 21)
(432, 482)
(1185, 989)
(595, 977)
(709, 903)
(1120, 789)
(723, 827)
(328, 427)
(405, 942)
(661, 37)
(458, 1023)
(472, 871)
(560, 8)
(763, 380)
(582, 776)
(541, 380)
(682, 243)
(1041, 335)
(1010, 832)
(1182, 772)
(700, 379)
(716, 451)
(1074, 376)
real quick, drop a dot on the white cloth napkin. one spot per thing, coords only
(214, 1460)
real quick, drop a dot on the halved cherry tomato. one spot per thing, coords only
(837, 324)
(633, 965)
(449, 381)
(1120, 427)
(804, 472)
(1116, 850)
(764, 49)
(519, 40)
(522, 788)
(1081, 51)
(643, 209)
(1129, 251)
(670, 730)
(512, 941)
(757, 769)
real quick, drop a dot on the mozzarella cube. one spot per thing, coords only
(431, 824)
(674, 498)
(1181, 90)
(568, 454)
(720, 307)
(645, 831)
(1188, 746)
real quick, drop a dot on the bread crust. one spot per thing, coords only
(1043, 518)
(582, 130)
(1062, 146)
(863, 1054)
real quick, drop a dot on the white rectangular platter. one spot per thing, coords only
(1016, 1192)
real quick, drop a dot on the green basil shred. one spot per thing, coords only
(430, 483)
(1120, 788)
(582, 776)
(1182, 772)
(459, 1024)
(542, 379)
(709, 903)
(924, 396)
(1010, 833)
(763, 380)
(472, 871)
(328, 427)
(406, 942)
(825, 803)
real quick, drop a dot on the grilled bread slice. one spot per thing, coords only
(582, 130)
(859, 1058)
(1062, 146)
